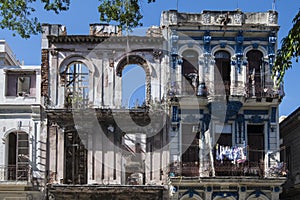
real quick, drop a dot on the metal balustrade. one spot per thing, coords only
(228, 168)
(223, 88)
(19, 172)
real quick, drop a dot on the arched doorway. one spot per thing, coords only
(222, 73)
(255, 73)
(190, 72)
(18, 156)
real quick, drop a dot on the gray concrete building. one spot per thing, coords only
(207, 129)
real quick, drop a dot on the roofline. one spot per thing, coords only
(97, 39)
(291, 118)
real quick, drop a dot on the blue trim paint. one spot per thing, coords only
(206, 41)
(256, 112)
(175, 114)
(273, 114)
(224, 38)
(191, 192)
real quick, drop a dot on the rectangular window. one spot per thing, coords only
(20, 84)
(23, 86)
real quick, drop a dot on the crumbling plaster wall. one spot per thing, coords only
(102, 59)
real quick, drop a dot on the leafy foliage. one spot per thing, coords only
(290, 49)
(125, 12)
(17, 15)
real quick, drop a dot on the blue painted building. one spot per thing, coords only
(224, 105)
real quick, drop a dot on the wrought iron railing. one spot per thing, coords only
(248, 168)
(19, 172)
(228, 168)
(190, 169)
(223, 88)
(258, 91)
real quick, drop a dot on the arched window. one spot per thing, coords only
(141, 93)
(222, 72)
(76, 81)
(190, 72)
(255, 73)
(18, 156)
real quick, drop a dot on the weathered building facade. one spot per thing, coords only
(208, 128)
(234, 122)
(289, 133)
(22, 157)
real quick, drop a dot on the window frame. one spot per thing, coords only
(14, 87)
(24, 90)
(18, 162)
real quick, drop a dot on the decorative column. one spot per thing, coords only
(173, 90)
(203, 154)
(233, 77)
(208, 63)
(271, 50)
(237, 62)
(239, 51)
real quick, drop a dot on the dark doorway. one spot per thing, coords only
(256, 72)
(222, 72)
(256, 142)
(190, 72)
(75, 159)
(190, 157)
(18, 154)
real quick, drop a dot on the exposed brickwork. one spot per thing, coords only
(44, 72)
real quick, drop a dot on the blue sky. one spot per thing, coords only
(80, 15)
(133, 93)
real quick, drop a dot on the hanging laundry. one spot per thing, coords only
(234, 154)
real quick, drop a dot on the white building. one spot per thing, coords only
(22, 157)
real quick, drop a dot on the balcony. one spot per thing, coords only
(259, 91)
(228, 168)
(248, 168)
(15, 173)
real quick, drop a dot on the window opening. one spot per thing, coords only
(224, 146)
(134, 145)
(256, 147)
(23, 85)
(190, 158)
(190, 72)
(75, 159)
(76, 81)
(18, 156)
(255, 75)
(222, 75)
(20, 84)
(133, 86)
